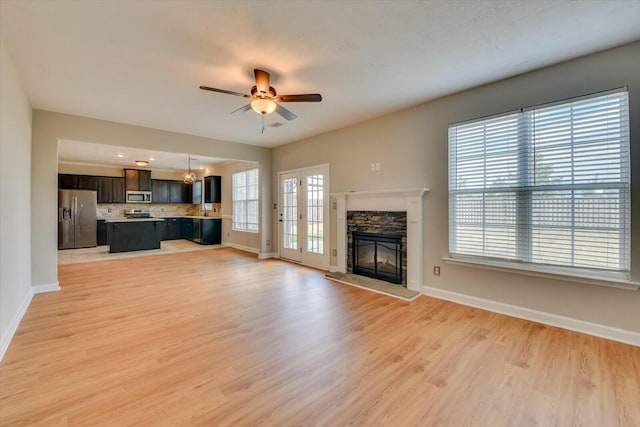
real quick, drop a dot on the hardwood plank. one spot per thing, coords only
(216, 337)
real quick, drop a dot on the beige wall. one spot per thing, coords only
(15, 202)
(411, 147)
(48, 127)
(242, 238)
(103, 170)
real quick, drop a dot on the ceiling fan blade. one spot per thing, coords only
(242, 109)
(229, 92)
(262, 80)
(285, 113)
(309, 97)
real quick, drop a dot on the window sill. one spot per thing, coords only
(246, 231)
(612, 280)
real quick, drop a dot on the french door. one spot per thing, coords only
(304, 215)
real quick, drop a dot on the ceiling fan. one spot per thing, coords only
(264, 99)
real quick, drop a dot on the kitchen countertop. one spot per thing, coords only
(156, 218)
(133, 219)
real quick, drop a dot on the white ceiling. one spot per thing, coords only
(141, 62)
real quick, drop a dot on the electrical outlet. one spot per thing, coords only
(373, 167)
(268, 242)
(109, 210)
(227, 234)
(334, 252)
(436, 270)
(377, 167)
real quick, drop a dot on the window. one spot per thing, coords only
(315, 214)
(546, 185)
(245, 200)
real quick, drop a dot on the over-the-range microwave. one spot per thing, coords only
(138, 196)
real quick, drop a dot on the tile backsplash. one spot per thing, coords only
(156, 210)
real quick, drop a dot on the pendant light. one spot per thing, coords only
(189, 177)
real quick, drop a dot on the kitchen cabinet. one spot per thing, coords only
(179, 192)
(187, 228)
(172, 229)
(125, 236)
(213, 189)
(101, 237)
(160, 191)
(137, 180)
(166, 191)
(110, 189)
(77, 182)
(196, 192)
(204, 231)
(118, 192)
(210, 231)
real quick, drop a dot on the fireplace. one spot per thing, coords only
(394, 211)
(378, 256)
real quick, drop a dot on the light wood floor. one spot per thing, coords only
(217, 337)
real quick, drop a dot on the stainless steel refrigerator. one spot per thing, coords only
(76, 219)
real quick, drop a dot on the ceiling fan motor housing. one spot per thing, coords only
(255, 92)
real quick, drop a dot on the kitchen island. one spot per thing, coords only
(134, 234)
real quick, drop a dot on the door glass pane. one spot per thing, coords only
(315, 209)
(290, 213)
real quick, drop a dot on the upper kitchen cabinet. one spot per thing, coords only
(213, 189)
(77, 182)
(196, 192)
(179, 192)
(137, 180)
(110, 189)
(160, 191)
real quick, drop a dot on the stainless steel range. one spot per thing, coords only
(136, 213)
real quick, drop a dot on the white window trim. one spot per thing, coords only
(571, 274)
(233, 227)
(600, 277)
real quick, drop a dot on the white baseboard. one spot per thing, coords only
(266, 255)
(15, 322)
(242, 248)
(602, 331)
(47, 287)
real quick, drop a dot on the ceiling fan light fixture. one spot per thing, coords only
(263, 106)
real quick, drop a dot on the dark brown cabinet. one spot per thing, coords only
(177, 192)
(137, 180)
(160, 191)
(167, 191)
(101, 230)
(77, 182)
(110, 189)
(213, 189)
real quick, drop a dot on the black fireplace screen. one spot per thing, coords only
(378, 256)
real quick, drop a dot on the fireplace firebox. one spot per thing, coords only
(378, 256)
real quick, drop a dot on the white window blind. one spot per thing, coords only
(245, 191)
(545, 185)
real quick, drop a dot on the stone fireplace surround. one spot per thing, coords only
(407, 200)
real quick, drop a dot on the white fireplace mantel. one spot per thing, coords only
(407, 200)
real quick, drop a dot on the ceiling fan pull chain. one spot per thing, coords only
(262, 123)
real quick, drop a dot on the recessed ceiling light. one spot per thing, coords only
(119, 155)
(141, 162)
(151, 158)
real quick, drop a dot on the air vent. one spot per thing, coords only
(275, 125)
